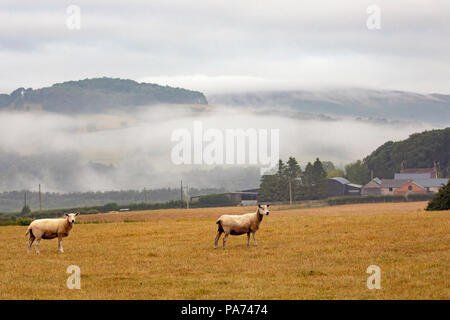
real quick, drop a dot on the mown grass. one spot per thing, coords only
(319, 253)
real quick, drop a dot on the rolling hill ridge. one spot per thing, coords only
(97, 95)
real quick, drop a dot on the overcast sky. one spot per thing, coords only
(224, 46)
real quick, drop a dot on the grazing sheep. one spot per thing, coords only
(49, 229)
(240, 224)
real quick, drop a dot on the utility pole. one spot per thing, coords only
(187, 197)
(145, 195)
(40, 199)
(181, 190)
(25, 199)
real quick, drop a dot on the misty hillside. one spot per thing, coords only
(97, 95)
(378, 104)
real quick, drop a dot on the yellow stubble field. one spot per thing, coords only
(319, 253)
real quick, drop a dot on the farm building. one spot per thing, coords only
(243, 197)
(411, 176)
(372, 188)
(339, 186)
(432, 185)
(418, 180)
(413, 180)
(426, 178)
(431, 173)
(410, 187)
(390, 186)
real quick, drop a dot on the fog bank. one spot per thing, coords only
(131, 149)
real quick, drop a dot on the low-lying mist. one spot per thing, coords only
(131, 148)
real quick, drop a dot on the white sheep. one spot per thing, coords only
(50, 229)
(240, 224)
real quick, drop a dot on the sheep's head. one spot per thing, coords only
(71, 217)
(263, 209)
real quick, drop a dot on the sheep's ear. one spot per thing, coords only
(259, 206)
(77, 214)
(268, 205)
(66, 214)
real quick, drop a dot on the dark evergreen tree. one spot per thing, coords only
(293, 169)
(308, 181)
(282, 182)
(308, 175)
(294, 172)
(441, 200)
(319, 180)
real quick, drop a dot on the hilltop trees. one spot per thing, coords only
(420, 150)
(99, 95)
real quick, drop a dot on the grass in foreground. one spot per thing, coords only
(320, 253)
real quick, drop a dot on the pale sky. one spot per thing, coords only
(227, 46)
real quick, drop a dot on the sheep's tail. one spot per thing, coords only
(219, 222)
(28, 231)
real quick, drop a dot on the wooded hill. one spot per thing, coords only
(97, 95)
(420, 150)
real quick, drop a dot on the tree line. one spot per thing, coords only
(290, 182)
(13, 201)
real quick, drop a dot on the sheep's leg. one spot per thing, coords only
(30, 242)
(219, 233)
(60, 248)
(225, 240)
(37, 245)
(248, 239)
(254, 239)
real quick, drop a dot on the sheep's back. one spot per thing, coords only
(47, 224)
(236, 221)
